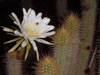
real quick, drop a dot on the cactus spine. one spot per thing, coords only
(87, 32)
(67, 45)
(47, 66)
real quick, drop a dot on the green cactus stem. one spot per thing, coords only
(87, 32)
(67, 43)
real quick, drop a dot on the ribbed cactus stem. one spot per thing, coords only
(14, 64)
(67, 46)
(72, 23)
(87, 32)
(47, 66)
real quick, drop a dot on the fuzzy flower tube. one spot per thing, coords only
(32, 28)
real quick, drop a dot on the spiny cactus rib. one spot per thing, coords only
(47, 66)
(67, 46)
(72, 23)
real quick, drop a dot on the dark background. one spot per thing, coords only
(48, 8)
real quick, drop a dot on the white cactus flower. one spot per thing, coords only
(33, 28)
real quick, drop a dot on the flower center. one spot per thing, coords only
(32, 29)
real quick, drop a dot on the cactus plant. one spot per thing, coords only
(67, 46)
(47, 66)
(87, 32)
(72, 41)
(72, 22)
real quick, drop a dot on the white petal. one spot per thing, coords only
(32, 17)
(16, 18)
(33, 44)
(36, 20)
(39, 14)
(29, 11)
(49, 28)
(24, 43)
(17, 33)
(33, 13)
(42, 23)
(17, 22)
(34, 47)
(47, 34)
(46, 28)
(43, 41)
(22, 31)
(39, 19)
(24, 20)
(24, 11)
(46, 20)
